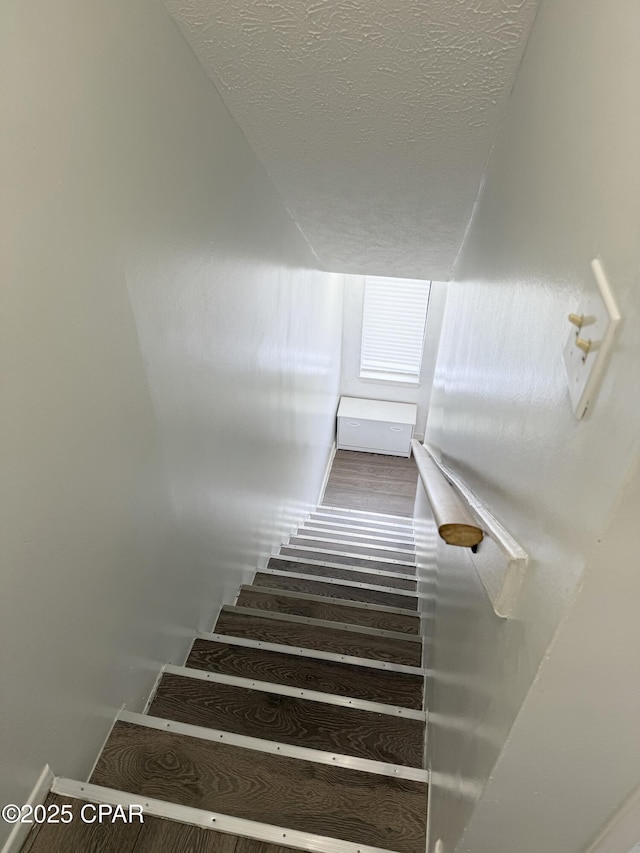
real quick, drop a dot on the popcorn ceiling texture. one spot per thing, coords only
(374, 118)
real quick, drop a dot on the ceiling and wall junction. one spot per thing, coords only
(374, 118)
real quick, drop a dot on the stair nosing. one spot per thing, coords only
(383, 548)
(308, 527)
(302, 753)
(347, 554)
(407, 593)
(301, 651)
(330, 565)
(320, 623)
(325, 599)
(268, 833)
(364, 512)
(339, 522)
(297, 692)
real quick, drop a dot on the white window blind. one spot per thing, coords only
(393, 325)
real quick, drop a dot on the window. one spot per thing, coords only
(394, 318)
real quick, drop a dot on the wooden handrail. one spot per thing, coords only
(502, 580)
(455, 523)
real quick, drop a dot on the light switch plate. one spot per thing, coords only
(584, 370)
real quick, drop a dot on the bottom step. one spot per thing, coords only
(354, 806)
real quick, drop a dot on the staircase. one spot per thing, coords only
(298, 723)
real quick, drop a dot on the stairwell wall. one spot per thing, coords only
(170, 358)
(531, 748)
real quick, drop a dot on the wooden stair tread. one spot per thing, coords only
(80, 836)
(173, 837)
(376, 619)
(334, 590)
(341, 679)
(351, 805)
(319, 638)
(354, 498)
(358, 537)
(154, 835)
(299, 566)
(290, 720)
(396, 523)
(312, 553)
(352, 548)
(382, 486)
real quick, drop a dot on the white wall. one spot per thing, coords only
(350, 383)
(563, 187)
(573, 755)
(170, 365)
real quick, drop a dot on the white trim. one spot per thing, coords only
(364, 513)
(340, 582)
(584, 371)
(380, 377)
(398, 538)
(429, 801)
(38, 795)
(297, 693)
(150, 698)
(311, 653)
(331, 552)
(326, 599)
(349, 544)
(327, 472)
(622, 831)
(309, 561)
(268, 833)
(320, 623)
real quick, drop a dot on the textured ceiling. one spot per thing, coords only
(374, 118)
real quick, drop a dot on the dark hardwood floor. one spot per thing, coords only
(335, 590)
(352, 805)
(342, 679)
(320, 552)
(334, 612)
(371, 482)
(372, 524)
(367, 550)
(319, 638)
(154, 835)
(395, 540)
(290, 720)
(300, 567)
